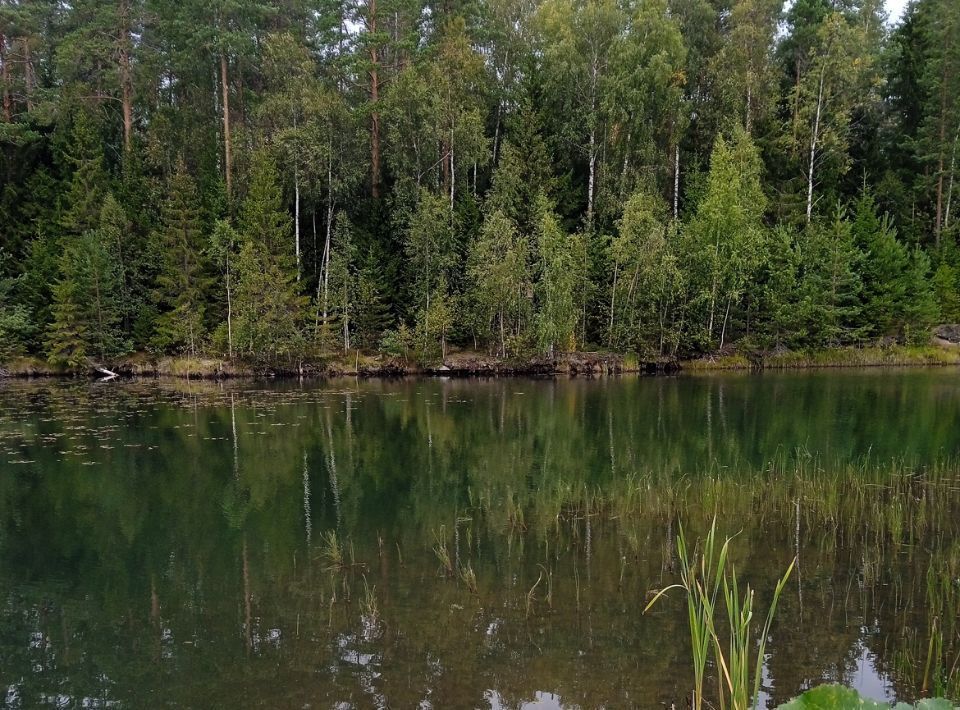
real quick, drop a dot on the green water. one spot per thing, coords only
(166, 544)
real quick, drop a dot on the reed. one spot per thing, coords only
(442, 551)
(703, 575)
(331, 551)
(469, 579)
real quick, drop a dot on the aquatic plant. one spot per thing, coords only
(702, 578)
(331, 551)
(469, 579)
(442, 551)
(838, 697)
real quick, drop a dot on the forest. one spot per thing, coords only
(264, 180)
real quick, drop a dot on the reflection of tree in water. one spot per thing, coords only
(179, 564)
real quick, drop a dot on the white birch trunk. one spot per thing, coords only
(813, 148)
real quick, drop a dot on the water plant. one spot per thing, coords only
(331, 551)
(442, 551)
(469, 579)
(703, 576)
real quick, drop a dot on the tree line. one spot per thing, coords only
(271, 179)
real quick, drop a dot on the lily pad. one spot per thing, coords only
(839, 697)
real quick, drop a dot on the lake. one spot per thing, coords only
(440, 543)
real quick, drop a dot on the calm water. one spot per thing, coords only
(168, 544)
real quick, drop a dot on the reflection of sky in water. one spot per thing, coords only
(865, 678)
(541, 701)
(194, 502)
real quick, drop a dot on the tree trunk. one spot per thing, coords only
(7, 110)
(941, 146)
(229, 313)
(374, 99)
(126, 83)
(453, 176)
(813, 148)
(296, 216)
(28, 72)
(613, 296)
(953, 164)
(676, 179)
(591, 181)
(592, 155)
(227, 148)
(726, 317)
(325, 270)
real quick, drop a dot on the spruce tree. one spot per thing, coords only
(833, 289)
(883, 269)
(88, 182)
(182, 282)
(921, 310)
(270, 312)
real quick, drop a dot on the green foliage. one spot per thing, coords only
(833, 287)
(645, 279)
(679, 145)
(181, 283)
(499, 279)
(398, 342)
(726, 234)
(269, 314)
(562, 273)
(15, 325)
(86, 297)
(88, 181)
(372, 316)
(884, 268)
(434, 322)
(704, 574)
(838, 697)
(921, 309)
(263, 218)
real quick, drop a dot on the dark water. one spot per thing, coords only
(168, 544)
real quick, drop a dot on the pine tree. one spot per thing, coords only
(269, 313)
(342, 277)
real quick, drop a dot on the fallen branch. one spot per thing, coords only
(104, 371)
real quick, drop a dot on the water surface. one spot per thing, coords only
(169, 543)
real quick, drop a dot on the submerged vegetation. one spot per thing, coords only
(448, 539)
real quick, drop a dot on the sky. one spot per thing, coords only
(895, 9)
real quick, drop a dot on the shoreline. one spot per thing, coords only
(579, 364)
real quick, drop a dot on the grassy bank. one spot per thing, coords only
(891, 356)
(352, 363)
(466, 363)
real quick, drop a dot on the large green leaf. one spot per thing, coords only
(838, 697)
